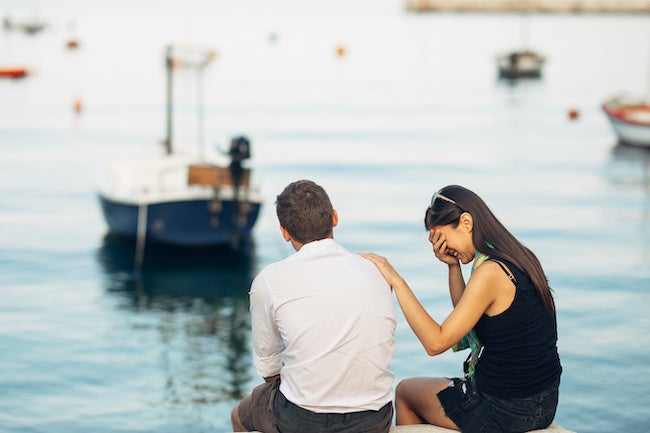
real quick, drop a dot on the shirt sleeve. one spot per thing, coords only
(267, 343)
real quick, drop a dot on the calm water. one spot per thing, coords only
(414, 105)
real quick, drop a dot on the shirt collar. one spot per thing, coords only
(318, 246)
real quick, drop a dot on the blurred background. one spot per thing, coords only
(379, 105)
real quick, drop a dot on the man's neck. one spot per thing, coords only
(297, 245)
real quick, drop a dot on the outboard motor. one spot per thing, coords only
(240, 150)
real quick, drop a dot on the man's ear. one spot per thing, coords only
(285, 234)
(335, 217)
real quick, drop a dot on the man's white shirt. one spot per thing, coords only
(323, 318)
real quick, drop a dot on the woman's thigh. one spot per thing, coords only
(419, 396)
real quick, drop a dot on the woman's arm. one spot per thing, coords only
(456, 283)
(437, 338)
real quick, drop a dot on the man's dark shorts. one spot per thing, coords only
(268, 411)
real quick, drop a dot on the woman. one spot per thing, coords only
(506, 301)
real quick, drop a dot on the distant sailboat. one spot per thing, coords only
(28, 25)
(630, 117)
(520, 64)
(630, 120)
(523, 62)
(180, 199)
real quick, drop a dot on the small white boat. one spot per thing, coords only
(28, 25)
(520, 64)
(630, 120)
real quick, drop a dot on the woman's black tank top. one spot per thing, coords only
(519, 357)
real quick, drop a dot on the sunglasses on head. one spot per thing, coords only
(437, 195)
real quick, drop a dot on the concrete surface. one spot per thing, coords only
(553, 428)
(425, 428)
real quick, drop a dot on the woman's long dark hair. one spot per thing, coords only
(488, 235)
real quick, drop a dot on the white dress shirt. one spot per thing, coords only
(323, 319)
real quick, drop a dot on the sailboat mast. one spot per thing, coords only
(647, 77)
(525, 23)
(169, 66)
(199, 114)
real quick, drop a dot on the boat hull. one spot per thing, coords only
(630, 121)
(13, 72)
(197, 222)
(522, 64)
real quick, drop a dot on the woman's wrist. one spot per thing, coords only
(397, 282)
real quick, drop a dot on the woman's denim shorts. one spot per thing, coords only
(476, 412)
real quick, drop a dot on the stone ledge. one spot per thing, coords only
(426, 428)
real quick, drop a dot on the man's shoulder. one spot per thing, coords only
(273, 268)
(277, 265)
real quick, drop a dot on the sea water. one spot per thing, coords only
(379, 106)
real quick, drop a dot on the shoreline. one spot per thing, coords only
(531, 6)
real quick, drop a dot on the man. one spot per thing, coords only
(323, 327)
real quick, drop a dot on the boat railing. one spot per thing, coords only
(215, 176)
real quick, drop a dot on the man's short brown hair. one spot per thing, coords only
(304, 209)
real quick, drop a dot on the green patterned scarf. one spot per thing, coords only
(471, 340)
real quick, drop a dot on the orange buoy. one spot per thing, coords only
(340, 51)
(72, 44)
(573, 114)
(77, 106)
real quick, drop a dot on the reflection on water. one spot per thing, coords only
(630, 170)
(199, 301)
(632, 157)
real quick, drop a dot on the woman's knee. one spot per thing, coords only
(411, 388)
(403, 388)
